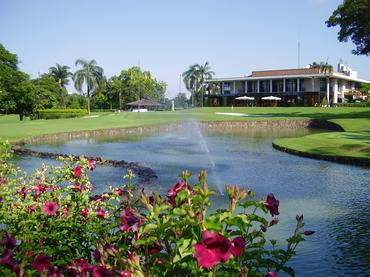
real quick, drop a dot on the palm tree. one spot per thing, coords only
(194, 79)
(91, 75)
(326, 68)
(61, 74)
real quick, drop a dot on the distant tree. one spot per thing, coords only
(75, 101)
(365, 89)
(194, 79)
(180, 100)
(353, 17)
(61, 74)
(134, 84)
(49, 94)
(91, 75)
(324, 67)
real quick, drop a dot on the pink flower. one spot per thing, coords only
(9, 242)
(124, 273)
(55, 272)
(78, 187)
(238, 245)
(120, 191)
(85, 212)
(23, 192)
(100, 212)
(272, 204)
(271, 274)
(154, 248)
(3, 181)
(79, 266)
(129, 221)
(172, 192)
(41, 263)
(65, 211)
(50, 208)
(213, 249)
(77, 171)
(101, 271)
(97, 256)
(32, 208)
(1, 200)
(39, 189)
(92, 164)
(7, 260)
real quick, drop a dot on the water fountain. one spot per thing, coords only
(195, 132)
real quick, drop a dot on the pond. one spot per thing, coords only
(334, 198)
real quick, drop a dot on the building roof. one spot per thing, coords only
(144, 103)
(284, 72)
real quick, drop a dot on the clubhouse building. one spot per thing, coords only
(303, 86)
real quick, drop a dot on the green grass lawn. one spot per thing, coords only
(354, 142)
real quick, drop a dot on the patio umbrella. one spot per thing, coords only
(271, 98)
(244, 98)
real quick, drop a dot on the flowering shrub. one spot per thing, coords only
(52, 225)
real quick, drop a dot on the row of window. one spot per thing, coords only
(290, 86)
(265, 86)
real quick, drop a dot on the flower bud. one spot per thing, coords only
(299, 218)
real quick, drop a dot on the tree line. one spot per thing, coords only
(22, 95)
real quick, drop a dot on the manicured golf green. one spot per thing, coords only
(355, 142)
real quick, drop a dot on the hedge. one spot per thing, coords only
(59, 113)
(355, 104)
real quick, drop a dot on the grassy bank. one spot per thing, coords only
(354, 142)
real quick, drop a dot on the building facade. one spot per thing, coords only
(304, 86)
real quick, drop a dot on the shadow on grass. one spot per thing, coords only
(363, 136)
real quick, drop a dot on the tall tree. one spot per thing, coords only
(61, 74)
(353, 18)
(15, 92)
(49, 94)
(91, 75)
(194, 79)
(134, 84)
(326, 68)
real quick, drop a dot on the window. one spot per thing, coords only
(322, 84)
(291, 85)
(265, 86)
(227, 87)
(252, 86)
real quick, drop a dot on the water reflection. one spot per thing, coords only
(334, 198)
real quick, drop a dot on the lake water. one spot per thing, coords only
(334, 198)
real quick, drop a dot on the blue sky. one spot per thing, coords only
(167, 36)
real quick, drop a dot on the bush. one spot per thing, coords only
(52, 225)
(59, 113)
(324, 102)
(355, 104)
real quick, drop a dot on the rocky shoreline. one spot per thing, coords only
(145, 174)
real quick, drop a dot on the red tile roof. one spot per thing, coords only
(281, 72)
